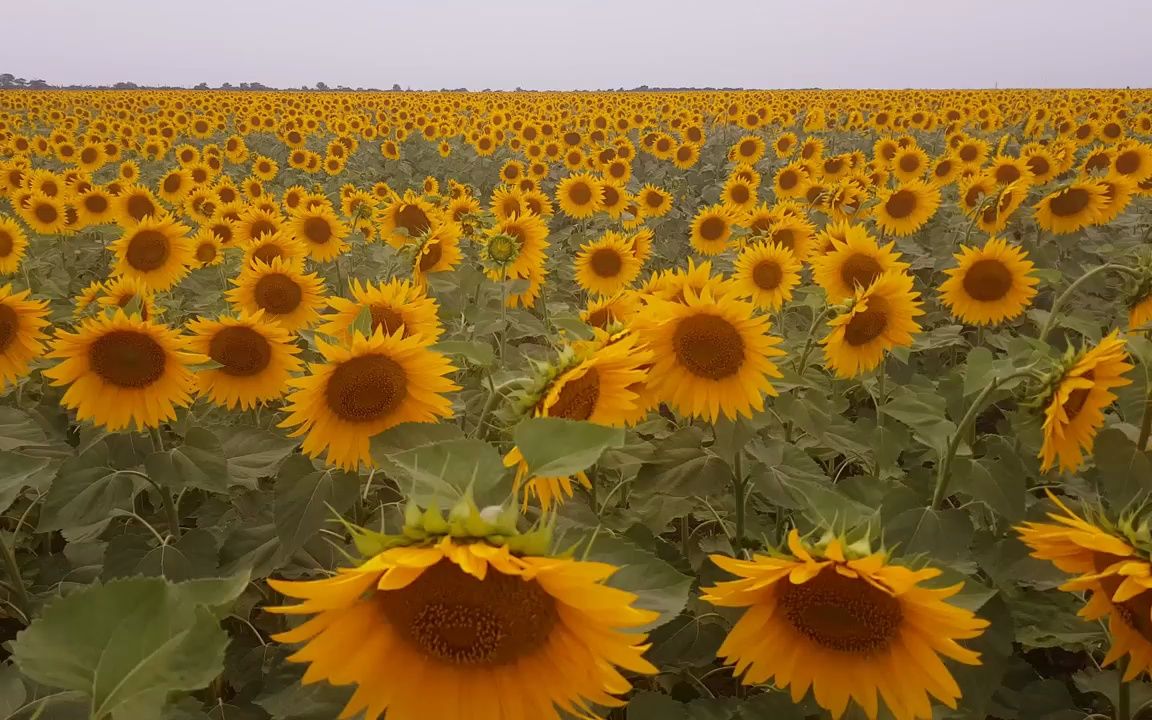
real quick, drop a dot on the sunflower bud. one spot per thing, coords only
(502, 248)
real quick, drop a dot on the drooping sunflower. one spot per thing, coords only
(1071, 208)
(994, 216)
(990, 284)
(766, 273)
(255, 357)
(1075, 403)
(606, 265)
(1108, 565)
(852, 626)
(320, 231)
(712, 354)
(22, 323)
(598, 383)
(854, 262)
(13, 244)
(270, 246)
(487, 620)
(123, 371)
(711, 229)
(156, 251)
(127, 292)
(391, 306)
(604, 312)
(282, 290)
(880, 318)
(362, 389)
(906, 208)
(578, 195)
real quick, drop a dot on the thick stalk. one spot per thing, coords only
(809, 341)
(1124, 698)
(1146, 420)
(739, 489)
(503, 308)
(170, 510)
(881, 392)
(1063, 298)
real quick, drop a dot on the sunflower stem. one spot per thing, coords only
(503, 307)
(809, 341)
(1063, 298)
(1146, 420)
(739, 490)
(23, 601)
(170, 509)
(1124, 697)
(881, 392)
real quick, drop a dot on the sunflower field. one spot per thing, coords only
(525, 406)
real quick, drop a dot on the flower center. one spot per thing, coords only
(840, 613)
(860, 270)
(317, 230)
(7, 244)
(9, 326)
(1076, 399)
(260, 227)
(606, 262)
(127, 358)
(366, 388)
(577, 398)
(901, 204)
(431, 255)
(580, 194)
(708, 346)
(452, 617)
(712, 228)
(987, 280)
(767, 274)
(278, 294)
(241, 350)
(866, 326)
(1070, 202)
(140, 207)
(206, 252)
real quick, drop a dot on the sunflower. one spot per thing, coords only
(712, 354)
(791, 233)
(748, 149)
(492, 624)
(599, 383)
(407, 218)
(905, 209)
(528, 235)
(852, 262)
(738, 194)
(1076, 206)
(880, 318)
(13, 244)
(123, 371)
(125, 291)
(712, 228)
(96, 207)
(654, 201)
(606, 265)
(579, 195)
(614, 199)
(851, 625)
(136, 203)
(207, 249)
(909, 164)
(362, 389)
(1140, 309)
(44, 214)
(22, 323)
(1133, 161)
(606, 311)
(1118, 191)
(391, 306)
(320, 231)
(1075, 404)
(439, 252)
(506, 202)
(766, 273)
(990, 284)
(174, 185)
(156, 251)
(254, 222)
(790, 181)
(995, 214)
(281, 290)
(270, 246)
(255, 359)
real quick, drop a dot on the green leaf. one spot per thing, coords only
(12, 691)
(979, 371)
(943, 535)
(443, 472)
(19, 429)
(253, 454)
(788, 477)
(478, 353)
(197, 463)
(407, 436)
(16, 470)
(304, 498)
(1004, 492)
(555, 447)
(658, 586)
(1124, 472)
(647, 705)
(85, 491)
(193, 555)
(125, 645)
(924, 415)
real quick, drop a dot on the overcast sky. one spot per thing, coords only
(582, 44)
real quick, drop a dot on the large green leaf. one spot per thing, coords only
(19, 429)
(443, 472)
(1124, 472)
(788, 477)
(125, 645)
(85, 490)
(658, 585)
(253, 453)
(198, 462)
(305, 498)
(556, 447)
(924, 414)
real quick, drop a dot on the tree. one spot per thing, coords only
(321, 86)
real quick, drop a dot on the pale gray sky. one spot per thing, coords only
(582, 44)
